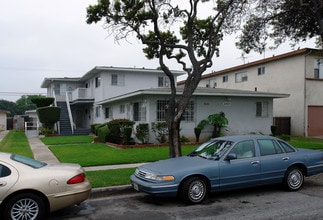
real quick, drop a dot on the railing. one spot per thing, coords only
(31, 129)
(69, 112)
(80, 93)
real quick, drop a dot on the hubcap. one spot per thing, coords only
(295, 179)
(197, 191)
(24, 209)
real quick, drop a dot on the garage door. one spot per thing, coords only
(315, 121)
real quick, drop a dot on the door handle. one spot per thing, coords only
(3, 184)
(285, 158)
(254, 163)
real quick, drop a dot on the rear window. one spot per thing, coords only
(28, 161)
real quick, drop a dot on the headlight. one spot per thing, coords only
(154, 177)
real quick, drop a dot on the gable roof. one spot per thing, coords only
(46, 82)
(304, 51)
(198, 92)
(99, 69)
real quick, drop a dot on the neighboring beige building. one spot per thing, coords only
(298, 73)
(3, 120)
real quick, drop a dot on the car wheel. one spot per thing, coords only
(294, 179)
(193, 190)
(24, 206)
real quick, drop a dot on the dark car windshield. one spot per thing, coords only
(212, 149)
(28, 161)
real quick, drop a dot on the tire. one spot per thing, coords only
(193, 190)
(294, 179)
(24, 206)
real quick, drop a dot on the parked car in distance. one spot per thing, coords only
(30, 189)
(227, 163)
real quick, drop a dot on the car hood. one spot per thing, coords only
(178, 164)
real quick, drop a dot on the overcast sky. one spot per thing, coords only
(50, 38)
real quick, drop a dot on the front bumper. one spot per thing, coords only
(155, 188)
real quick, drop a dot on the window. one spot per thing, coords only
(211, 83)
(108, 112)
(97, 111)
(97, 81)
(286, 147)
(318, 68)
(187, 116)
(163, 81)
(189, 112)
(161, 110)
(262, 109)
(241, 77)
(261, 70)
(269, 147)
(139, 111)
(117, 79)
(4, 171)
(225, 78)
(122, 109)
(244, 149)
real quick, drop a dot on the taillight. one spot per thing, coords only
(77, 179)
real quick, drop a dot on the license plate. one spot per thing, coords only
(135, 186)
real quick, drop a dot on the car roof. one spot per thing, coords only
(236, 138)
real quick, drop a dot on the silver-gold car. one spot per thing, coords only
(30, 189)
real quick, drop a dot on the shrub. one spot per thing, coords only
(97, 127)
(117, 130)
(93, 126)
(40, 101)
(284, 137)
(49, 115)
(127, 135)
(142, 133)
(46, 131)
(160, 130)
(103, 132)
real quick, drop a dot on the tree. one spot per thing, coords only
(295, 20)
(187, 32)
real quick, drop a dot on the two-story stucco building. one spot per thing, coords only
(298, 73)
(106, 93)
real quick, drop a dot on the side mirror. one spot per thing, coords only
(231, 156)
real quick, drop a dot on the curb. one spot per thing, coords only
(111, 191)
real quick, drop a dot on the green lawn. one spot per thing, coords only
(96, 154)
(17, 143)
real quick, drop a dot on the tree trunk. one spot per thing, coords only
(175, 149)
(173, 129)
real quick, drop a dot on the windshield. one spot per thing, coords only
(28, 161)
(212, 149)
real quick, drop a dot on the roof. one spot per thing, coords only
(200, 91)
(304, 51)
(4, 112)
(99, 69)
(46, 82)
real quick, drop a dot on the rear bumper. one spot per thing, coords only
(69, 198)
(160, 189)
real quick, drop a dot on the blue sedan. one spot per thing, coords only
(227, 163)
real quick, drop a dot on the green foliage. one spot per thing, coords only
(127, 134)
(184, 139)
(284, 137)
(160, 130)
(142, 132)
(93, 128)
(41, 101)
(46, 131)
(103, 132)
(20, 106)
(272, 20)
(116, 132)
(48, 115)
